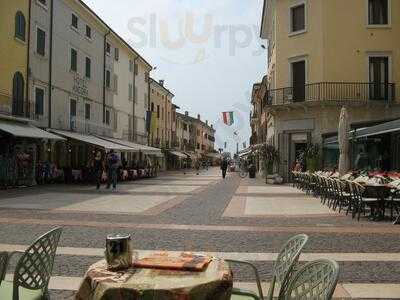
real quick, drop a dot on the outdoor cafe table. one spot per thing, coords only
(215, 282)
(380, 192)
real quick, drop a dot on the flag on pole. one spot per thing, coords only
(228, 118)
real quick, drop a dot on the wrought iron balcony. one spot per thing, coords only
(332, 92)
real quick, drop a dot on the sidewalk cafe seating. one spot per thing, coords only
(358, 192)
(33, 270)
(354, 192)
(315, 280)
(283, 269)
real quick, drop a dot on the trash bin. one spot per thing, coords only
(252, 171)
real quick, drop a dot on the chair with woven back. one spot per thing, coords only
(343, 195)
(315, 280)
(283, 268)
(33, 270)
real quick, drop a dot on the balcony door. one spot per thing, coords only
(298, 80)
(379, 77)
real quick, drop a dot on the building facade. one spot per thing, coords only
(14, 33)
(323, 55)
(183, 127)
(161, 105)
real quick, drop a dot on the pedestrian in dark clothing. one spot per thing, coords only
(224, 167)
(112, 164)
(98, 168)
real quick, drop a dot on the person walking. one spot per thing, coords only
(197, 166)
(224, 167)
(112, 164)
(98, 168)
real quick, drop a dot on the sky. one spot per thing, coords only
(207, 51)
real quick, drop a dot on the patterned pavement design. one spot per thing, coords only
(232, 218)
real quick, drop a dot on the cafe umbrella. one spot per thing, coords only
(343, 142)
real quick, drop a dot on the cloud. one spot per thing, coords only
(208, 75)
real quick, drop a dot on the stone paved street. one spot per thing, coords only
(231, 218)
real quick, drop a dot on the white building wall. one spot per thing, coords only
(141, 104)
(123, 101)
(39, 65)
(68, 84)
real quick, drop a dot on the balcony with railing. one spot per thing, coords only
(333, 92)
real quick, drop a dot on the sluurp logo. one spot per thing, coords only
(190, 39)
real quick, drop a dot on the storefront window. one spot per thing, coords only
(331, 155)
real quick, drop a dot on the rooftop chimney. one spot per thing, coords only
(198, 116)
(186, 113)
(161, 82)
(207, 122)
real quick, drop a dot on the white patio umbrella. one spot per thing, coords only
(344, 158)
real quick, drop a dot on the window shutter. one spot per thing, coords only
(88, 67)
(116, 83)
(40, 42)
(108, 79)
(116, 50)
(136, 94)
(130, 92)
(115, 120)
(20, 25)
(74, 60)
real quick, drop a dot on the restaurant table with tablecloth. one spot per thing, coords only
(214, 282)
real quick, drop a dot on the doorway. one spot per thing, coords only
(299, 80)
(379, 77)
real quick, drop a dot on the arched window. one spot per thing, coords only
(18, 94)
(20, 25)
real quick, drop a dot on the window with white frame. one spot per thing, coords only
(298, 18)
(88, 67)
(40, 41)
(20, 26)
(378, 12)
(108, 78)
(87, 111)
(74, 60)
(88, 32)
(74, 21)
(108, 48)
(108, 121)
(116, 54)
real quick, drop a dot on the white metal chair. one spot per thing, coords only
(316, 280)
(33, 270)
(283, 269)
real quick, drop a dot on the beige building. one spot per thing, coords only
(183, 130)
(205, 136)
(323, 55)
(163, 127)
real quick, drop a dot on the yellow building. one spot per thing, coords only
(14, 35)
(323, 55)
(161, 133)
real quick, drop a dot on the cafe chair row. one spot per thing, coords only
(353, 197)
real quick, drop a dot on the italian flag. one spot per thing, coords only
(228, 118)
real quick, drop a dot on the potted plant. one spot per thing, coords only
(311, 157)
(270, 156)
